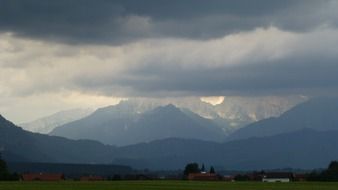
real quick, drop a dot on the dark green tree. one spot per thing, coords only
(203, 168)
(333, 166)
(331, 174)
(4, 174)
(191, 168)
(212, 170)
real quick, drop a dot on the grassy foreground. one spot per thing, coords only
(167, 185)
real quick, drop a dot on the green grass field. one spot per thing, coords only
(166, 185)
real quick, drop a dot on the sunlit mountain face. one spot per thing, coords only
(230, 113)
(144, 120)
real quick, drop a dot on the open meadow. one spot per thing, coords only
(166, 185)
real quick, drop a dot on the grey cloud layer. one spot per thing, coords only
(120, 21)
(309, 76)
(267, 61)
(91, 52)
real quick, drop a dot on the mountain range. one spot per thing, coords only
(319, 114)
(121, 125)
(143, 120)
(301, 149)
(305, 146)
(305, 149)
(231, 114)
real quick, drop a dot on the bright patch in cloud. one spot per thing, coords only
(213, 100)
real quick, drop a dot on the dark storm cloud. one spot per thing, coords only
(264, 61)
(301, 34)
(119, 21)
(311, 76)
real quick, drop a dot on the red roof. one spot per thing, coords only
(42, 177)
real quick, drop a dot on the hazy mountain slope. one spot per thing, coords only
(319, 114)
(306, 149)
(240, 111)
(120, 125)
(46, 124)
(21, 145)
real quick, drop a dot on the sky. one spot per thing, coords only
(57, 55)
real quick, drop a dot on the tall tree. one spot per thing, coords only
(203, 168)
(191, 168)
(333, 166)
(212, 170)
(331, 174)
(4, 174)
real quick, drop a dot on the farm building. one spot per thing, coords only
(277, 177)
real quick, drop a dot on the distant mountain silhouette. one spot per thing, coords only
(306, 149)
(120, 125)
(320, 114)
(46, 124)
(21, 145)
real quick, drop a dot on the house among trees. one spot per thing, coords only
(193, 172)
(43, 177)
(277, 177)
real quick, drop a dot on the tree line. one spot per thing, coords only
(5, 175)
(330, 174)
(194, 168)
